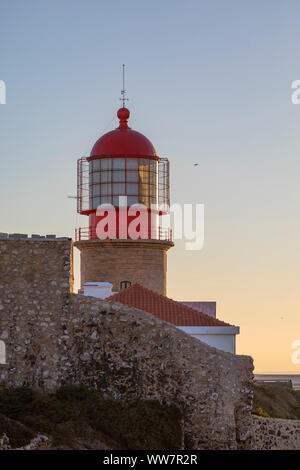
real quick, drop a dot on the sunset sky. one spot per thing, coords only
(209, 82)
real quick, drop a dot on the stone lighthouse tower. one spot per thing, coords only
(123, 188)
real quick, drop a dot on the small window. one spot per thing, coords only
(125, 284)
(2, 353)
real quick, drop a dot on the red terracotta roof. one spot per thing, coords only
(164, 308)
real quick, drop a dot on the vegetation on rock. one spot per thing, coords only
(260, 412)
(76, 417)
(276, 401)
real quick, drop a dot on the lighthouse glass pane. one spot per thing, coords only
(105, 176)
(119, 176)
(132, 176)
(132, 189)
(132, 163)
(144, 170)
(152, 178)
(145, 176)
(153, 164)
(132, 200)
(106, 199)
(96, 202)
(96, 165)
(144, 189)
(105, 163)
(105, 189)
(119, 189)
(152, 193)
(118, 163)
(144, 164)
(96, 190)
(112, 177)
(96, 177)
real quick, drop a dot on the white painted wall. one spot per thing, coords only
(223, 342)
(220, 337)
(101, 290)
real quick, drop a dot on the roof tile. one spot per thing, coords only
(164, 308)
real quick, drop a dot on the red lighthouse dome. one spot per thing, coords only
(123, 141)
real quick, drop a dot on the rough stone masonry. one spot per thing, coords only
(55, 337)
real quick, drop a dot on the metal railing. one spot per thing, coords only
(89, 233)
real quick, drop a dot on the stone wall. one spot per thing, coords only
(142, 261)
(54, 337)
(132, 354)
(35, 276)
(276, 434)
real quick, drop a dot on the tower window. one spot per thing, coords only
(125, 284)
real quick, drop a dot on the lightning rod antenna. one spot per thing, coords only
(123, 91)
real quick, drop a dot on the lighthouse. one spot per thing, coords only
(123, 189)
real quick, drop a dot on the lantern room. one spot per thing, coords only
(123, 171)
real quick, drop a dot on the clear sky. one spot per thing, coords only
(208, 82)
